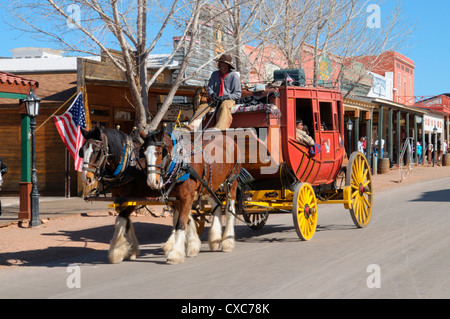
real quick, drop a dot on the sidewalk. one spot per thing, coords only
(50, 207)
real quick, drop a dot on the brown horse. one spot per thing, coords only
(112, 159)
(186, 172)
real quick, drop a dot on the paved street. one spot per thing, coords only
(403, 253)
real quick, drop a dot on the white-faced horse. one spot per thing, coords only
(111, 158)
(187, 172)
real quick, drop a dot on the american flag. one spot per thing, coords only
(68, 126)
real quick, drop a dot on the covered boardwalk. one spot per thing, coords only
(441, 104)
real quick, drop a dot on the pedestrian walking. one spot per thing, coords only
(361, 147)
(419, 152)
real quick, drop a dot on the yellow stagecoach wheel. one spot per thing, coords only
(358, 177)
(304, 211)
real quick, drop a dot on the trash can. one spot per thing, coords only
(446, 160)
(383, 166)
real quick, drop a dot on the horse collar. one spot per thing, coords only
(126, 154)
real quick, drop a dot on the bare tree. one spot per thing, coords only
(360, 47)
(294, 27)
(311, 30)
(89, 25)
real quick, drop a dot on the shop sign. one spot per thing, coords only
(431, 122)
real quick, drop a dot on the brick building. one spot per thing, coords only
(401, 69)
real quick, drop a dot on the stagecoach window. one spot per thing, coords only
(340, 115)
(326, 115)
(304, 111)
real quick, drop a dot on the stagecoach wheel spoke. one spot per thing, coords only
(254, 220)
(360, 180)
(304, 211)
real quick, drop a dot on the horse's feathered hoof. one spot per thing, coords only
(214, 244)
(228, 245)
(193, 248)
(175, 257)
(117, 255)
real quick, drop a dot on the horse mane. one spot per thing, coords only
(116, 140)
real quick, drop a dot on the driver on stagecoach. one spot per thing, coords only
(224, 86)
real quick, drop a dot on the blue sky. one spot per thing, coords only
(429, 46)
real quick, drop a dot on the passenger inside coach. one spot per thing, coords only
(323, 127)
(304, 111)
(302, 134)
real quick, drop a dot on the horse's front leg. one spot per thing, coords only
(178, 252)
(215, 233)
(171, 241)
(228, 235)
(124, 243)
(193, 241)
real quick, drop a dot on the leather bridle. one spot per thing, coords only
(162, 168)
(98, 166)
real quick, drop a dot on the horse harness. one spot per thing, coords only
(121, 175)
(179, 171)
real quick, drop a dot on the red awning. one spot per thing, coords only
(10, 83)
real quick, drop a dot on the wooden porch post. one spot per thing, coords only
(390, 143)
(369, 117)
(416, 160)
(399, 137)
(356, 135)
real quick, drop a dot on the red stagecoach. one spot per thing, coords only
(289, 176)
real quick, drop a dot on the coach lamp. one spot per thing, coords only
(32, 103)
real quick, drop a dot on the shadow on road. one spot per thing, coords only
(281, 233)
(62, 256)
(442, 195)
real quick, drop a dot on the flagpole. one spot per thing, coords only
(59, 108)
(86, 109)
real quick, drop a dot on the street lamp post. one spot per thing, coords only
(349, 131)
(32, 103)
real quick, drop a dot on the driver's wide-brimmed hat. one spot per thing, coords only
(226, 58)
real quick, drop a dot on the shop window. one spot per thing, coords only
(123, 116)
